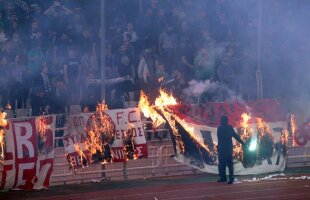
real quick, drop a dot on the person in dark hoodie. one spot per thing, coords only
(225, 133)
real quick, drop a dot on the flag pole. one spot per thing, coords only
(259, 84)
(102, 46)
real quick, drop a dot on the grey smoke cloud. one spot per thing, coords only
(198, 88)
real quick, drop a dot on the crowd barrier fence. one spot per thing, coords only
(160, 161)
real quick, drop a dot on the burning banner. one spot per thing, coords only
(299, 129)
(261, 124)
(27, 152)
(104, 136)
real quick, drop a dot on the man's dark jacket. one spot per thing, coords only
(224, 136)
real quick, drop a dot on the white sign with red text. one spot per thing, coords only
(75, 137)
(29, 155)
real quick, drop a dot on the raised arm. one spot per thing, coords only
(236, 136)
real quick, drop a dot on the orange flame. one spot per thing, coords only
(165, 99)
(42, 128)
(161, 103)
(100, 131)
(292, 126)
(149, 111)
(284, 137)
(101, 107)
(3, 123)
(262, 127)
(245, 133)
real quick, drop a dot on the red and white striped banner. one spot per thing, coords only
(29, 153)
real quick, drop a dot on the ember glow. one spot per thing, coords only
(8, 107)
(42, 126)
(128, 143)
(292, 126)
(160, 79)
(3, 123)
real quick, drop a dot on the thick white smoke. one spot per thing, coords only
(198, 88)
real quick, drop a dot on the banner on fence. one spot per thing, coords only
(267, 130)
(81, 147)
(301, 137)
(28, 153)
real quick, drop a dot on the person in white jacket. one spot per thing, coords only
(147, 66)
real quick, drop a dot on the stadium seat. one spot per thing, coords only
(21, 113)
(75, 109)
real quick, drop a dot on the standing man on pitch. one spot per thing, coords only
(225, 132)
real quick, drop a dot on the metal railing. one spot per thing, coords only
(159, 162)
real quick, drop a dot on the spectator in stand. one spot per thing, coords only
(222, 28)
(146, 25)
(87, 42)
(161, 75)
(229, 67)
(59, 98)
(41, 92)
(117, 40)
(204, 65)
(57, 10)
(4, 24)
(15, 28)
(22, 10)
(36, 12)
(160, 20)
(4, 81)
(35, 34)
(18, 88)
(132, 33)
(109, 62)
(133, 39)
(124, 68)
(174, 17)
(35, 59)
(186, 52)
(3, 39)
(147, 66)
(60, 52)
(58, 16)
(15, 46)
(89, 59)
(90, 94)
(78, 25)
(178, 84)
(167, 47)
(206, 39)
(10, 10)
(129, 48)
(72, 75)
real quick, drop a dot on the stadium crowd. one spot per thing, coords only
(50, 52)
